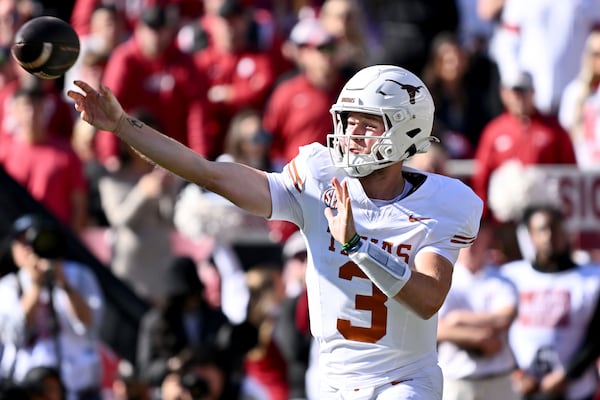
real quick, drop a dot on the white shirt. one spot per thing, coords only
(81, 365)
(545, 38)
(484, 291)
(554, 312)
(366, 339)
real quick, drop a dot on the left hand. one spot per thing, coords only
(341, 225)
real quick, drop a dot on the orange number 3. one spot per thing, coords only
(374, 303)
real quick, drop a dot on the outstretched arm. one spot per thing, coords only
(246, 187)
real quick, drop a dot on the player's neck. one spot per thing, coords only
(384, 184)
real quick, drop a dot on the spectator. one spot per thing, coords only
(464, 105)
(298, 110)
(292, 330)
(581, 88)
(344, 20)
(82, 142)
(520, 133)
(44, 383)
(407, 29)
(51, 310)
(240, 73)
(44, 163)
(247, 142)
(56, 113)
(107, 30)
(201, 213)
(473, 348)
(475, 26)
(555, 338)
(138, 201)
(149, 72)
(197, 375)
(128, 384)
(522, 43)
(264, 365)
(579, 105)
(184, 321)
(11, 20)
(588, 146)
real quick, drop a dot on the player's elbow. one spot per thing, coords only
(429, 311)
(426, 309)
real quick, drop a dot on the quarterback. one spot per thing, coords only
(382, 238)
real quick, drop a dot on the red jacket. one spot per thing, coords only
(540, 141)
(50, 171)
(250, 75)
(298, 114)
(170, 88)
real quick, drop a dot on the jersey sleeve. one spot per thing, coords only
(458, 225)
(287, 187)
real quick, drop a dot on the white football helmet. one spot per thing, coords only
(406, 106)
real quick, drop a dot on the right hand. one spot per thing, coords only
(37, 268)
(98, 108)
(341, 223)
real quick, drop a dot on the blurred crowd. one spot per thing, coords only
(515, 85)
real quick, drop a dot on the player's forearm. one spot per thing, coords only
(499, 320)
(163, 150)
(246, 187)
(430, 282)
(423, 294)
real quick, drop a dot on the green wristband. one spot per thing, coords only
(351, 243)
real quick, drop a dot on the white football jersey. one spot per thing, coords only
(365, 338)
(555, 310)
(483, 292)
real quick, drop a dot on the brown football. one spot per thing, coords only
(46, 46)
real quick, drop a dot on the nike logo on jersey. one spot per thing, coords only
(412, 218)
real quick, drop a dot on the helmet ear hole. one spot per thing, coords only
(384, 152)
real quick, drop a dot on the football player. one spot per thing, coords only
(382, 238)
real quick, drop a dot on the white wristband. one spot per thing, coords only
(387, 272)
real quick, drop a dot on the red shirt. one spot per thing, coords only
(50, 171)
(250, 75)
(298, 114)
(57, 112)
(541, 141)
(170, 88)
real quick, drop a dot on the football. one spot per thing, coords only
(46, 47)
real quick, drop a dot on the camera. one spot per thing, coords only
(43, 235)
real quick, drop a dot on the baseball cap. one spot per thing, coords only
(518, 80)
(310, 32)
